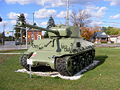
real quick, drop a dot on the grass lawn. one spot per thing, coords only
(12, 51)
(105, 76)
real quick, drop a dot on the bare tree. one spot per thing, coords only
(80, 19)
(73, 18)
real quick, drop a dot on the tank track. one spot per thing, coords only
(72, 64)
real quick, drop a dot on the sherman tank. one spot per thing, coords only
(64, 50)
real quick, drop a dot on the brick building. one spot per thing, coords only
(34, 35)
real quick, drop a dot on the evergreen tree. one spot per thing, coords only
(50, 24)
(22, 19)
(18, 31)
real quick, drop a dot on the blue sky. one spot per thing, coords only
(103, 12)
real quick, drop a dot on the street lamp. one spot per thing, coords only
(0, 19)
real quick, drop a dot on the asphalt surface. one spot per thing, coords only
(10, 45)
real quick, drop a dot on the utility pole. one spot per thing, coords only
(67, 14)
(21, 36)
(33, 18)
(26, 39)
(33, 24)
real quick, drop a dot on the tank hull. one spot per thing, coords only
(48, 52)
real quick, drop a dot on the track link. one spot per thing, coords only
(70, 65)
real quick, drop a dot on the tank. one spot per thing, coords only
(64, 50)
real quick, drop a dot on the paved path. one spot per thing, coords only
(10, 45)
(10, 53)
(108, 45)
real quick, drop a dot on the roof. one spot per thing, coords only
(101, 35)
(33, 31)
(114, 35)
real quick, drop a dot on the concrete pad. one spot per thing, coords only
(57, 74)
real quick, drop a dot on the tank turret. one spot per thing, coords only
(57, 31)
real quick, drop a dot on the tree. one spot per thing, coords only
(112, 31)
(22, 19)
(88, 33)
(50, 24)
(104, 29)
(80, 19)
(18, 31)
(0, 38)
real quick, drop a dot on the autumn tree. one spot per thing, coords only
(88, 32)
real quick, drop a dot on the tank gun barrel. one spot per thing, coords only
(39, 28)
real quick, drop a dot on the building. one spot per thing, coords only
(115, 38)
(34, 35)
(101, 37)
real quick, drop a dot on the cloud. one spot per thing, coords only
(22, 2)
(97, 12)
(44, 13)
(96, 23)
(94, 12)
(115, 16)
(114, 2)
(63, 14)
(53, 3)
(3, 23)
(82, 1)
(40, 2)
(8, 23)
(13, 22)
(43, 23)
(13, 15)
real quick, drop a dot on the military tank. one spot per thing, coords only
(64, 50)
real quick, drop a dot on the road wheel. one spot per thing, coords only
(23, 61)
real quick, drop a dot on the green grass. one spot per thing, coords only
(12, 51)
(105, 76)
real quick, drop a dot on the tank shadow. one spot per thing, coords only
(42, 69)
(101, 59)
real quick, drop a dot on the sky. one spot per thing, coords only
(103, 12)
